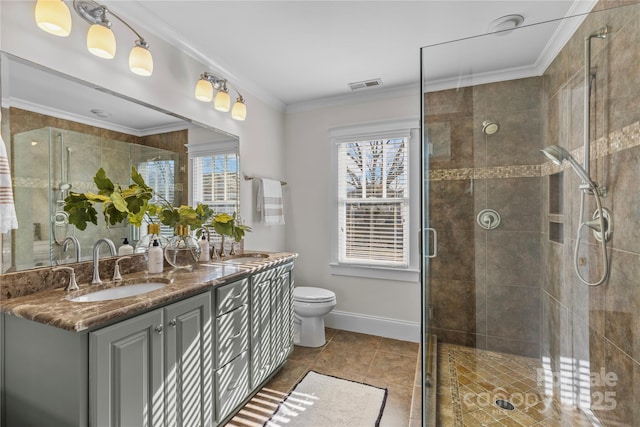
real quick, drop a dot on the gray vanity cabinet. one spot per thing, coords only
(126, 373)
(261, 357)
(193, 362)
(188, 366)
(282, 315)
(152, 370)
(271, 321)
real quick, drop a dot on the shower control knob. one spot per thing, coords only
(488, 219)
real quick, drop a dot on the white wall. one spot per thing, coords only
(170, 87)
(294, 148)
(383, 307)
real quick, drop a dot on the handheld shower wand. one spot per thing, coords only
(557, 155)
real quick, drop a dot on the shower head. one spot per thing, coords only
(64, 186)
(489, 127)
(557, 154)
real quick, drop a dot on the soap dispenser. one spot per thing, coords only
(126, 248)
(204, 249)
(156, 258)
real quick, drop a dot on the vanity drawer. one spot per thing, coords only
(232, 385)
(232, 335)
(231, 296)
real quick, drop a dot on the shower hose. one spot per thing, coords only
(603, 240)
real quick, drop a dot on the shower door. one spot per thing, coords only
(503, 285)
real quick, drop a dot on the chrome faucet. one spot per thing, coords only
(73, 286)
(76, 245)
(96, 255)
(116, 270)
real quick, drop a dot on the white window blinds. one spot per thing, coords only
(215, 181)
(159, 175)
(373, 200)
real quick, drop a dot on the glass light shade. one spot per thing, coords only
(53, 16)
(223, 101)
(204, 90)
(101, 41)
(239, 111)
(141, 61)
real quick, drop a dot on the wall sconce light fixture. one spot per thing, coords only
(204, 92)
(53, 16)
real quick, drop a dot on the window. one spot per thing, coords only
(215, 181)
(376, 193)
(215, 176)
(373, 202)
(159, 175)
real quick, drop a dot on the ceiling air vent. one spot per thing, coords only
(365, 84)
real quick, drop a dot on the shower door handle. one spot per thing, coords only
(435, 243)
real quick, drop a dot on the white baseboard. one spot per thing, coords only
(373, 325)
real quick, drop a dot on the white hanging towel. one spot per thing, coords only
(269, 201)
(8, 218)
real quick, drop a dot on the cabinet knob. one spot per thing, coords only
(173, 322)
(159, 329)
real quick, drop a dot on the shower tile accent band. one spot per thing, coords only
(619, 140)
(83, 187)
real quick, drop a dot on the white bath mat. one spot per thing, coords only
(325, 401)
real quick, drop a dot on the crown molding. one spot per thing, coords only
(65, 115)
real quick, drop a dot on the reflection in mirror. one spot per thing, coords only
(58, 134)
(73, 159)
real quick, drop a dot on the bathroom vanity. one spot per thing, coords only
(189, 354)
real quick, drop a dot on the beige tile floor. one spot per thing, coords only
(471, 380)
(374, 360)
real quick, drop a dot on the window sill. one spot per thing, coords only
(384, 273)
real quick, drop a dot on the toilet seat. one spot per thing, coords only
(311, 294)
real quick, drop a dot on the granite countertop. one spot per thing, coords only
(53, 307)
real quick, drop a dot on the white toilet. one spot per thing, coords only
(310, 305)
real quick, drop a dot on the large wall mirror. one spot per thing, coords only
(59, 131)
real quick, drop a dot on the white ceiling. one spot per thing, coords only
(295, 52)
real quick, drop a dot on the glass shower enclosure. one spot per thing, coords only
(520, 335)
(70, 161)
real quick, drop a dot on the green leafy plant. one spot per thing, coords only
(225, 225)
(131, 203)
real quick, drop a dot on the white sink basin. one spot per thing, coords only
(119, 292)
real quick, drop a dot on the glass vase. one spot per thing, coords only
(146, 241)
(183, 250)
(222, 252)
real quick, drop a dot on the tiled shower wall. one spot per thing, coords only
(485, 284)
(514, 288)
(596, 329)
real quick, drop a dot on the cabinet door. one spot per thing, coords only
(261, 318)
(282, 312)
(189, 364)
(125, 370)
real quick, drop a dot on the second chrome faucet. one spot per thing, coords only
(96, 256)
